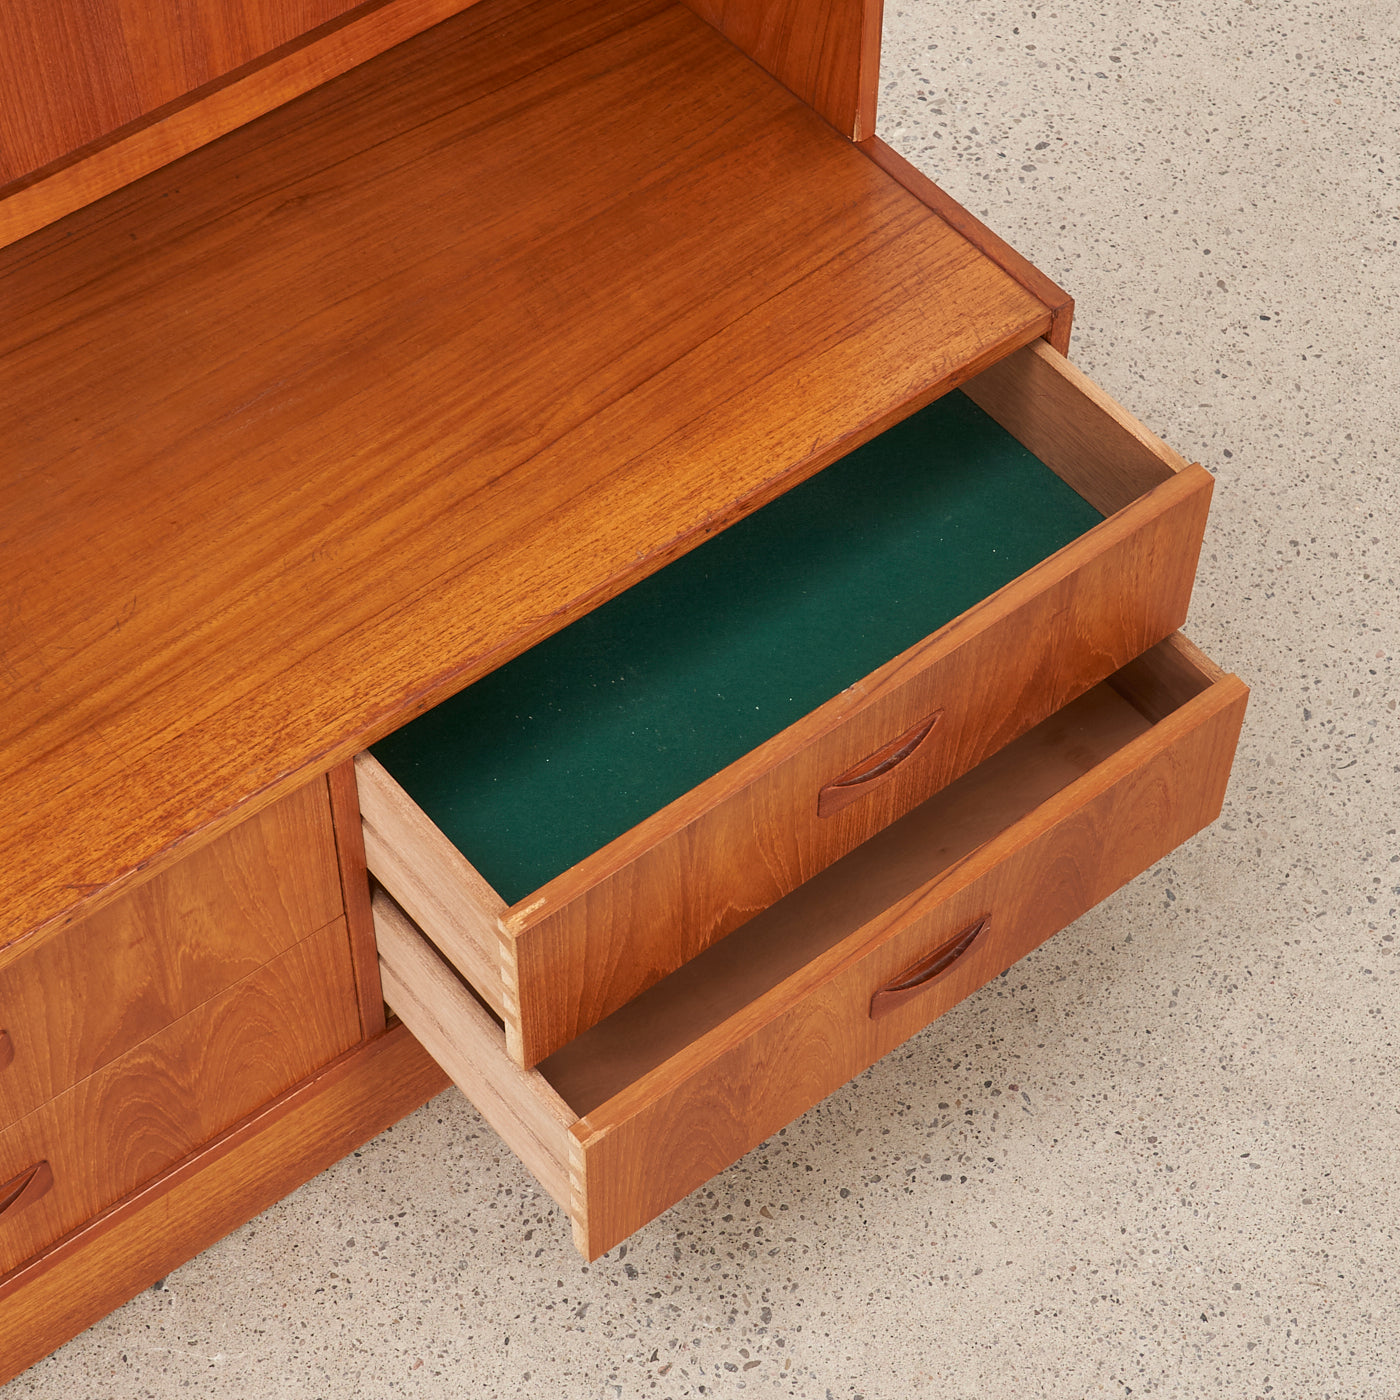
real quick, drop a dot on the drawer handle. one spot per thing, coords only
(25, 1189)
(924, 974)
(872, 769)
(7, 1050)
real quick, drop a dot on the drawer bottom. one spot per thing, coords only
(647, 1105)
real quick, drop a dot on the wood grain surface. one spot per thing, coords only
(779, 943)
(104, 985)
(826, 51)
(74, 73)
(143, 1112)
(348, 407)
(85, 96)
(1075, 428)
(219, 1188)
(972, 228)
(672, 1129)
(599, 934)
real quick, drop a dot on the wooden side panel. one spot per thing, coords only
(142, 1113)
(354, 885)
(1059, 301)
(36, 188)
(826, 51)
(597, 936)
(530, 1117)
(221, 1187)
(673, 1129)
(97, 988)
(437, 886)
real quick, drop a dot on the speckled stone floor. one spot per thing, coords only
(1161, 1156)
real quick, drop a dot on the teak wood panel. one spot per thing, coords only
(599, 934)
(666, 1134)
(92, 991)
(221, 1187)
(826, 51)
(38, 194)
(412, 372)
(76, 72)
(142, 1113)
(977, 233)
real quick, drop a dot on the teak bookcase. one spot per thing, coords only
(341, 368)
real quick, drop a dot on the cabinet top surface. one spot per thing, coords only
(314, 427)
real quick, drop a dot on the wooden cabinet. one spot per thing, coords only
(314, 429)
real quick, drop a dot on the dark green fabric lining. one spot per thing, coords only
(579, 739)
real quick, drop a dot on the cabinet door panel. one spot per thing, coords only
(141, 1114)
(92, 992)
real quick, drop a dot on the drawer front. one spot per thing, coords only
(985, 679)
(669, 1131)
(95, 990)
(139, 1115)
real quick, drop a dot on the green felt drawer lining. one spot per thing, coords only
(577, 740)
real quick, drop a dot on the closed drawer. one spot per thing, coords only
(143, 1112)
(656, 1098)
(599, 811)
(91, 992)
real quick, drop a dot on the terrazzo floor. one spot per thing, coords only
(1160, 1157)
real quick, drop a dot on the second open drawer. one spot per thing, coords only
(651, 1102)
(598, 812)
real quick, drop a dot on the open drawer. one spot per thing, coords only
(606, 806)
(668, 1090)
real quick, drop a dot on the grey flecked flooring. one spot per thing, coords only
(1161, 1156)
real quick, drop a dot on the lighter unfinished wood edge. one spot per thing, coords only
(434, 882)
(1076, 429)
(354, 890)
(531, 1119)
(219, 106)
(510, 1000)
(578, 1194)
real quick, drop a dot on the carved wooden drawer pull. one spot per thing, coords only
(924, 974)
(24, 1189)
(873, 769)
